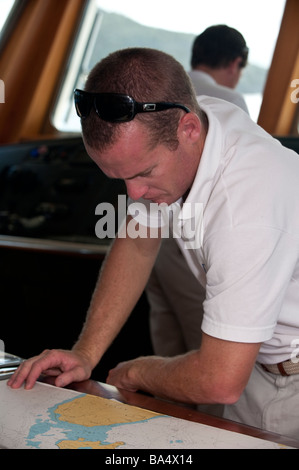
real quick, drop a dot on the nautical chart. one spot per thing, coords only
(48, 417)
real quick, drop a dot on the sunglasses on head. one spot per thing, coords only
(116, 107)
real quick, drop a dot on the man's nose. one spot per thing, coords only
(135, 189)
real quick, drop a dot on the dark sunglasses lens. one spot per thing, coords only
(83, 104)
(114, 108)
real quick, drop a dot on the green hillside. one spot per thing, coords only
(118, 32)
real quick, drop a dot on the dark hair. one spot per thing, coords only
(217, 46)
(146, 75)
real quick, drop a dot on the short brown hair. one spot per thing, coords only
(146, 75)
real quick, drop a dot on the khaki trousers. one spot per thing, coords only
(269, 402)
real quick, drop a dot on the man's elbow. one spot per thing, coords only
(229, 398)
(220, 394)
(226, 394)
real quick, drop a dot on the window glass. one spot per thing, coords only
(170, 26)
(5, 8)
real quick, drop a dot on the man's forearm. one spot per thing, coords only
(121, 282)
(216, 373)
(169, 378)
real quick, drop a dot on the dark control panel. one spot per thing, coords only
(49, 191)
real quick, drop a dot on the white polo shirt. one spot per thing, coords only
(205, 84)
(247, 251)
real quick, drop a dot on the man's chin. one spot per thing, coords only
(161, 200)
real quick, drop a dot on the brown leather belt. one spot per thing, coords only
(282, 368)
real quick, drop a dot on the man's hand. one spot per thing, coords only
(68, 366)
(120, 376)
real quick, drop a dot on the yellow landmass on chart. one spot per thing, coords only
(82, 443)
(96, 411)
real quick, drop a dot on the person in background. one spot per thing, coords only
(219, 55)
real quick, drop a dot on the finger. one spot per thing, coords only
(29, 371)
(77, 374)
(117, 377)
(18, 378)
(58, 363)
(48, 362)
(52, 372)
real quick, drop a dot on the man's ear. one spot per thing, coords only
(189, 128)
(234, 65)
